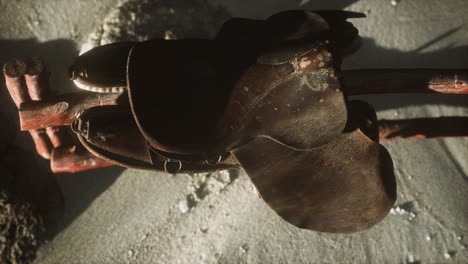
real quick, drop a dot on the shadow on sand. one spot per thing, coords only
(81, 189)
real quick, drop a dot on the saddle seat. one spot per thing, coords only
(264, 96)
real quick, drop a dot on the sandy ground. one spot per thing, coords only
(127, 216)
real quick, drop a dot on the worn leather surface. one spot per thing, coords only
(299, 103)
(103, 67)
(111, 133)
(273, 99)
(345, 186)
(210, 96)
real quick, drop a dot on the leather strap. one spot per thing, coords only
(110, 133)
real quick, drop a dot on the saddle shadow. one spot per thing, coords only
(63, 197)
(81, 189)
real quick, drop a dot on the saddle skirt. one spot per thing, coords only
(264, 96)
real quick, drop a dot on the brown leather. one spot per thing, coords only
(102, 68)
(345, 186)
(111, 133)
(298, 103)
(210, 96)
(269, 100)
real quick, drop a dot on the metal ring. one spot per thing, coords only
(165, 166)
(216, 162)
(75, 126)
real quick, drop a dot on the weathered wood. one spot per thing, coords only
(61, 110)
(75, 159)
(381, 81)
(44, 117)
(59, 136)
(41, 142)
(13, 72)
(37, 80)
(422, 128)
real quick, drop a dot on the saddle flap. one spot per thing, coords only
(113, 130)
(299, 104)
(110, 133)
(345, 186)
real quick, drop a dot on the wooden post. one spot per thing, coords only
(422, 128)
(61, 110)
(382, 81)
(45, 117)
(75, 159)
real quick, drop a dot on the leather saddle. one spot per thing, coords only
(264, 96)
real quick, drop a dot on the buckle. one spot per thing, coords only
(80, 127)
(170, 161)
